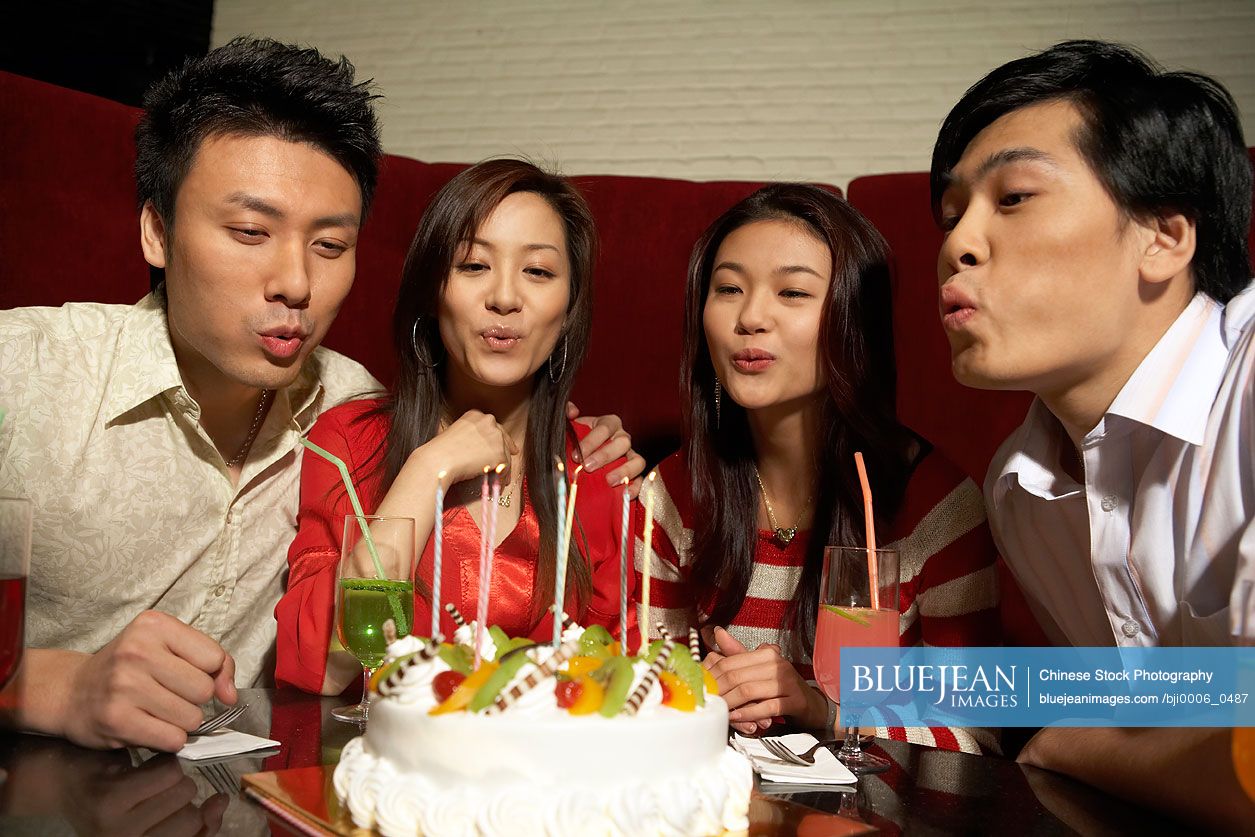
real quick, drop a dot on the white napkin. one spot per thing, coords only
(223, 742)
(826, 770)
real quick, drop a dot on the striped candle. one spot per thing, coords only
(646, 555)
(623, 569)
(558, 564)
(439, 548)
(483, 565)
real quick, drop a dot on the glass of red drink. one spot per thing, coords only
(15, 556)
(858, 608)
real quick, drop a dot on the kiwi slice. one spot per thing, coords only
(595, 640)
(499, 637)
(457, 657)
(690, 671)
(497, 681)
(618, 685)
(651, 652)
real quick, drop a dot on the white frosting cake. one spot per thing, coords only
(536, 769)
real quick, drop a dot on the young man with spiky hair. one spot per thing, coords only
(1095, 211)
(160, 442)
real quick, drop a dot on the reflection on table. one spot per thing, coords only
(53, 787)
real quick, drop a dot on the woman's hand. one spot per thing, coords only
(760, 685)
(465, 448)
(606, 442)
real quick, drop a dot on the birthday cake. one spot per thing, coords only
(577, 739)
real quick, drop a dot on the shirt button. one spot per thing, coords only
(1131, 629)
(1109, 502)
(221, 590)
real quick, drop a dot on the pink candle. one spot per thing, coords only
(480, 613)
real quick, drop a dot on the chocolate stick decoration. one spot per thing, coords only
(532, 680)
(455, 614)
(695, 647)
(637, 697)
(425, 654)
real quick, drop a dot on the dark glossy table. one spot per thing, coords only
(53, 787)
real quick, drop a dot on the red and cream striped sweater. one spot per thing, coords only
(948, 594)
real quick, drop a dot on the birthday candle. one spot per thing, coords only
(649, 534)
(493, 508)
(559, 564)
(483, 563)
(564, 552)
(623, 569)
(435, 570)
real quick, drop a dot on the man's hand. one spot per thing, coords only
(604, 444)
(145, 687)
(760, 685)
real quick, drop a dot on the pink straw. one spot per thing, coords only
(873, 580)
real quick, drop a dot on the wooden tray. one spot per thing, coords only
(304, 800)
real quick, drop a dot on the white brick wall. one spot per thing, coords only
(716, 90)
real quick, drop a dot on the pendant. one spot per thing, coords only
(785, 535)
(504, 500)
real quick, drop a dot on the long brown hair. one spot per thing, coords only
(419, 398)
(857, 413)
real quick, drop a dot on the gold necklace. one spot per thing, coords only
(252, 431)
(783, 535)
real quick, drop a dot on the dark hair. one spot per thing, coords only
(418, 401)
(253, 87)
(1159, 142)
(855, 343)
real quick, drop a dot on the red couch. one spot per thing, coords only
(68, 232)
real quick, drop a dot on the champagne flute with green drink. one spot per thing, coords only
(375, 583)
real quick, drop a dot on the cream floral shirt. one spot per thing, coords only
(134, 507)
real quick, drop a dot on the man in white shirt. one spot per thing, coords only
(1096, 211)
(160, 442)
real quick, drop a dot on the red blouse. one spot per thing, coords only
(307, 610)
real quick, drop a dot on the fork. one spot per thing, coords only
(219, 721)
(777, 749)
(221, 778)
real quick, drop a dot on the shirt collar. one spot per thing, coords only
(146, 368)
(144, 365)
(1174, 386)
(1034, 459)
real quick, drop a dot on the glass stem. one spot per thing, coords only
(364, 706)
(852, 748)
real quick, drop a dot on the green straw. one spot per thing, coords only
(393, 600)
(357, 505)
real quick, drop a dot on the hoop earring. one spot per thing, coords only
(555, 378)
(718, 400)
(418, 355)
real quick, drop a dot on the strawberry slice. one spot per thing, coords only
(568, 692)
(445, 683)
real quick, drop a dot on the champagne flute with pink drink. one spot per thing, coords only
(15, 554)
(858, 608)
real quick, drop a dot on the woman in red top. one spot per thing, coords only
(491, 324)
(789, 370)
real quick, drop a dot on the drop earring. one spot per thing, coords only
(718, 402)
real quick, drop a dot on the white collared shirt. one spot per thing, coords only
(1149, 550)
(134, 506)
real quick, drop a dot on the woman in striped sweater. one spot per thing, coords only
(788, 370)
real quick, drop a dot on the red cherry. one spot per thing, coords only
(568, 692)
(445, 683)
